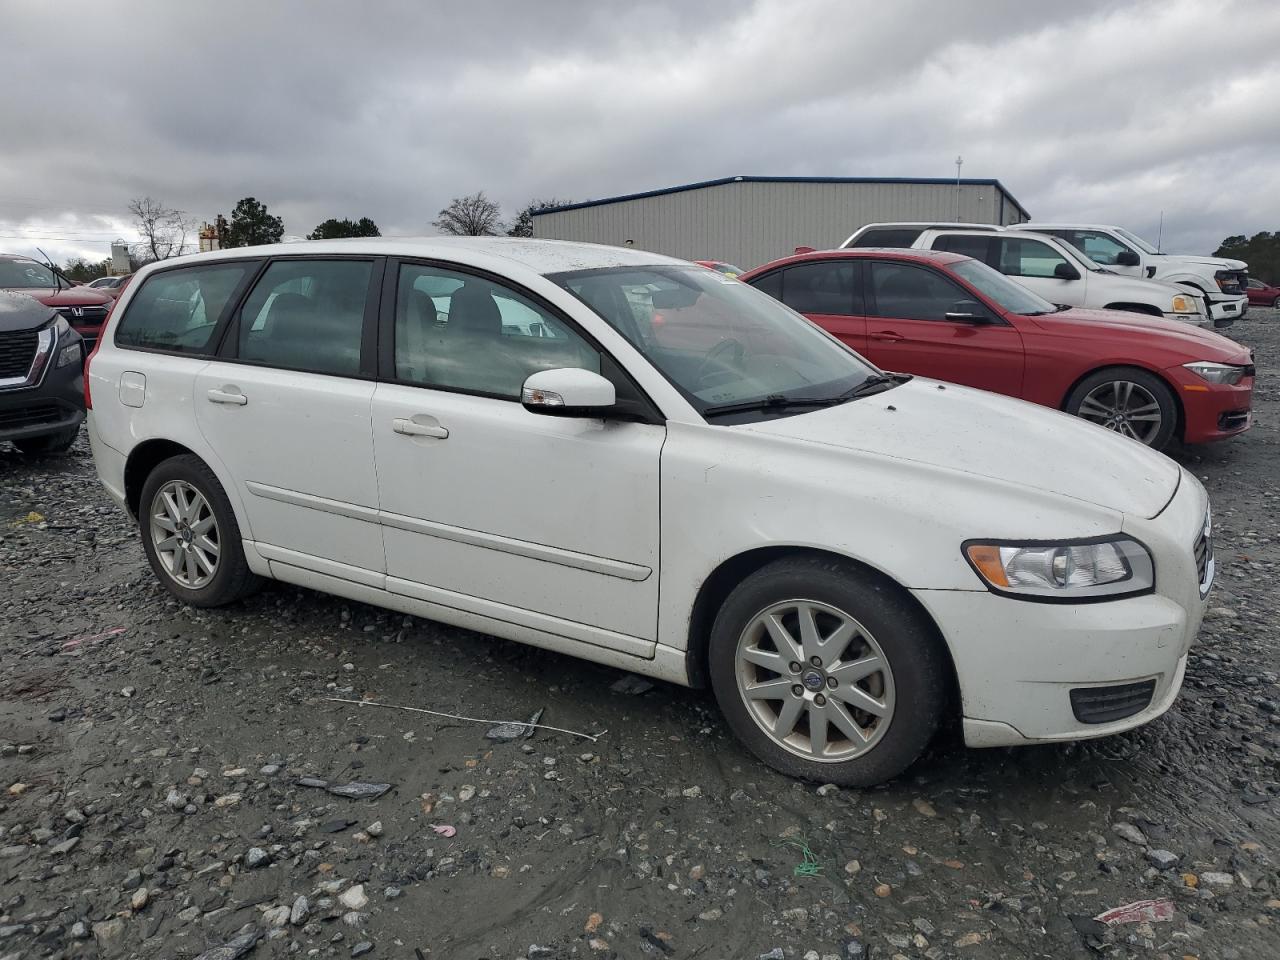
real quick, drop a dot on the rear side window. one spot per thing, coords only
(178, 310)
(966, 244)
(888, 237)
(828, 288)
(307, 315)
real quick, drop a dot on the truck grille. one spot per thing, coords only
(17, 350)
(1107, 704)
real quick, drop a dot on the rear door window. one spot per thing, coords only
(974, 245)
(178, 310)
(307, 315)
(825, 288)
(888, 237)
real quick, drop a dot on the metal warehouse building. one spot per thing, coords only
(751, 220)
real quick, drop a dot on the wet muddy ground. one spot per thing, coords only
(150, 803)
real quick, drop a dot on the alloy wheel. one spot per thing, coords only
(1125, 407)
(815, 680)
(184, 532)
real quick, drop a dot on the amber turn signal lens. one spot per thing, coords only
(987, 560)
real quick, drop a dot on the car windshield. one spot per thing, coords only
(19, 274)
(1136, 241)
(722, 343)
(994, 285)
(727, 268)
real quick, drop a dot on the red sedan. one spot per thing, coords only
(949, 317)
(1263, 294)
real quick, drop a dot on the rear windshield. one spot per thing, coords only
(888, 237)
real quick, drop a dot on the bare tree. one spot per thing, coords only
(473, 216)
(164, 230)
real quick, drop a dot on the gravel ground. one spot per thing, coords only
(154, 800)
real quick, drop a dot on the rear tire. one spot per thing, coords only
(190, 534)
(856, 694)
(1275, 304)
(1129, 401)
(59, 442)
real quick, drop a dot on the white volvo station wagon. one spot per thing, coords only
(638, 461)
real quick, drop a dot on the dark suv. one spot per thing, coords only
(41, 376)
(83, 308)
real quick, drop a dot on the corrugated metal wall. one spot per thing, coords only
(750, 223)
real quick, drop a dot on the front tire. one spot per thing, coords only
(1128, 401)
(828, 672)
(190, 534)
(59, 442)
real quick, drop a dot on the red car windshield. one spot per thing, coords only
(25, 274)
(995, 286)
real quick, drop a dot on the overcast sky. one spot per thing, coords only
(1085, 110)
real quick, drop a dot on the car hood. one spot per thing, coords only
(1217, 263)
(18, 312)
(66, 297)
(1197, 342)
(988, 435)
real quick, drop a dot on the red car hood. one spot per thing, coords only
(1204, 344)
(66, 297)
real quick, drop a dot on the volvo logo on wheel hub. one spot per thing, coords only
(812, 679)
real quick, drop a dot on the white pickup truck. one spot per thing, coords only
(1061, 274)
(1223, 283)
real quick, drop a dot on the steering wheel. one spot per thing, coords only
(727, 348)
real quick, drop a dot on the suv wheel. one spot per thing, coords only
(826, 672)
(59, 442)
(1132, 402)
(190, 534)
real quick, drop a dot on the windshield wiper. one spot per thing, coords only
(774, 401)
(875, 383)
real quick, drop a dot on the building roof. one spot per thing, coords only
(937, 181)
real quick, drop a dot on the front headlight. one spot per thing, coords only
(1216, 372)
(60, 327)
(1185, 304)
(1066, 571)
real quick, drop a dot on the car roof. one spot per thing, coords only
(540, 256)
(931, 225)
(18, 256)
(1034, 224)
(940, 257)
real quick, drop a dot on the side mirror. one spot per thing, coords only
(568, 392)
(1127, 258)
(966, 311)
(1065, 271)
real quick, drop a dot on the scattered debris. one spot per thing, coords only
(810, 865)
(631, 684)
(505, 732)
(356, 790)
(444, 830)
(234, 948)
(1140, 911)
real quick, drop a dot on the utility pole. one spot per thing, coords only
(959, 162)
(1160, 232)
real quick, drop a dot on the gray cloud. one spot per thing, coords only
(1090, 110)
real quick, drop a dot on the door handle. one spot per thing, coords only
(230, 395)
(887, 336)
(412, 428)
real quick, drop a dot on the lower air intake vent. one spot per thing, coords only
(1107, 704)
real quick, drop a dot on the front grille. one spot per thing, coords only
(33, 415)
(1204, 554)
(1108, 704)
(88, 316)
(17, 350)
(1230, 421)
